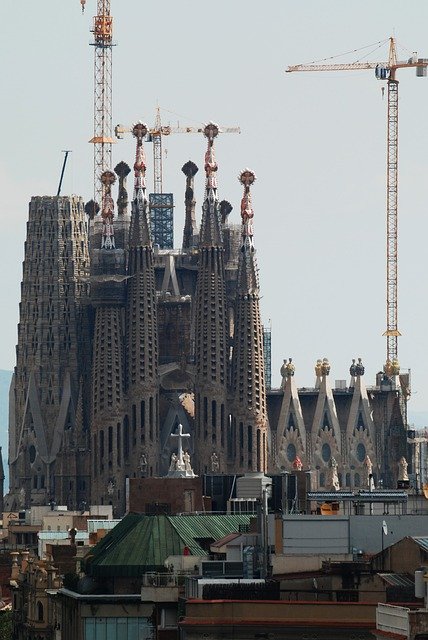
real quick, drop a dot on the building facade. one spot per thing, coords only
(120, 341)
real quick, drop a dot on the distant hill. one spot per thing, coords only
(5, 378)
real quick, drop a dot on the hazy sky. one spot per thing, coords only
(317, 143)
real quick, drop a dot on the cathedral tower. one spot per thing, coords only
(249, 414)
(190, 229)
(141, 422)
(108, 300)
(47, 450)
(211, 335)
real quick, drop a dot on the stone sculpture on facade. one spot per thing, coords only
(215, 466)
(359, 368)
(402, 469)
(332, 477)
(318, 368)
(368, 467)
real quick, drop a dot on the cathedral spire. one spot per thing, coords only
(107, 210)
(141, 437)
(140, 226)
(247, 275)
(211, 329)
(249, 421)
(211, 233)
(190, 228)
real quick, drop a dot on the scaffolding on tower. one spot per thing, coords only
(161, 204)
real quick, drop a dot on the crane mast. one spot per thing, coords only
(385, 71)
(102, 138)
(392, 331)
(157, 154)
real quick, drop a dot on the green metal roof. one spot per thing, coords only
(141, 543)
(193, 528)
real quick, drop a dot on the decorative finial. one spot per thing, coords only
(395, 367)
(139, 131)
(225, 209)
(189, 169)
(359, 368)
(247, 178)
(92, 209)
(190, 228)
(83, 2)
(325, 367)
(288, 369)
(211, 131)
(318, 368)
(122, 170)
(353, 368)
(107, 210)
(139, 233)
(391, 368)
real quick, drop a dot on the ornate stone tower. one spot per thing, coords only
(249, 414)
(211, 333)
(48, 448)
(190, 229)
(141, 422)
(108, 295)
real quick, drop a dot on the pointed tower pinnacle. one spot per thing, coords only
(211, 233)
(247, 273)
(211, 329)
(107, 210)
(249, 422)
(190, 228)
(142, 419)
(140, 226)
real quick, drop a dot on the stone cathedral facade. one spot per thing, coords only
(120, 341)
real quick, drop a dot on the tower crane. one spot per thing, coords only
(385, 71)
(156, 134)
(102, 138)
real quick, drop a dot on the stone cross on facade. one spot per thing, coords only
(180, 466)
(180, 437)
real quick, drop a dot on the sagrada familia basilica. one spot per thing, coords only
(121, 340)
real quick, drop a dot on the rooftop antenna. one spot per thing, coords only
(67, 151)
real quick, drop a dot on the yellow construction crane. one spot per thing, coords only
(385, 71)
(156, 134)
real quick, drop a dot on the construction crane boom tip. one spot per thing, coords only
(385, 71)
